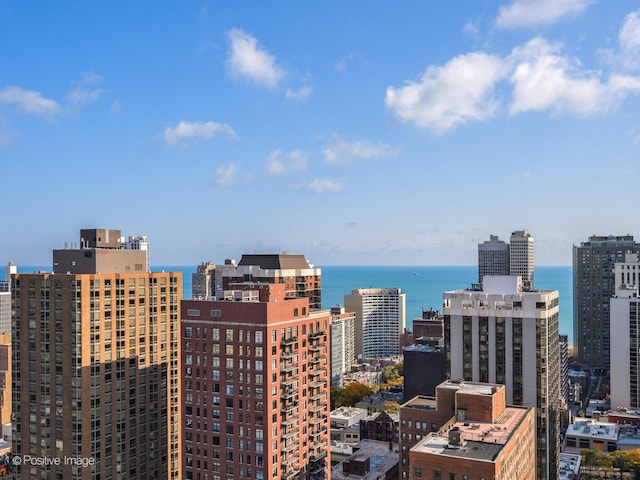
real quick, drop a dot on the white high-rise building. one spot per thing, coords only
(521, 257)
(625, 328)
(343, 351)
(380, 320)
(139, 242)
(503, 334)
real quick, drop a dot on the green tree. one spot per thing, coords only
(348, 396)
(389, 374)
(391, 407)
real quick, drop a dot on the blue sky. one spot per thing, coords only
(353, 132)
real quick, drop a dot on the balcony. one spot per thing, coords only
(288, 393)
(288, 354)
(288, 368)
(288, 341)
(315, 421)
(317, 457)
(289, 447)
(288, 381)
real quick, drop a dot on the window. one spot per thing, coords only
(418, 472)
(258, 336)
(193, 312)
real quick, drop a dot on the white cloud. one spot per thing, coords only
(225, 175)
(629, 39)
(301, 94)
(116, 106)
(344, 152)
(196, 130)
(325, 185)
(28, 101)
(344, 63)
(544, 80)
(81, 96)
(279, 163)
(249, 60)
(7, 134)
(82, 93)
(532, 13)
(7, 137)
(445, 97)
(472, 27)
(628, 55)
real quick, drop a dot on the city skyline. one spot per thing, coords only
(353, 133)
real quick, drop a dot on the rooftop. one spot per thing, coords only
(593, 429)
(347, 413)
(569, 466)
(381, 460)
(482, 440)
(282, 261)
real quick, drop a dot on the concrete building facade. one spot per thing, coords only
(625, 328)
(343, 352)
(380, 320)
(593, 287)
(95, 368)
(508, 336)
(493, 257)
(255, 385)
(521, 257)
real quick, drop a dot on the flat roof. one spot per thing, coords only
(587, 428)
(381, 459)
(482, 440)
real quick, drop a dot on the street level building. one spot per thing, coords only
(593, 287)
(255, 385)
(503, 334)
(95, 364)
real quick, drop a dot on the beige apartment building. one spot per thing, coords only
(96, 380)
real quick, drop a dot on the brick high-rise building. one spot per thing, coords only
(95, 367)
(301, 279)
(255, 385)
